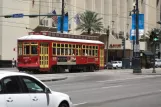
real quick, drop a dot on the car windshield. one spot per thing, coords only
(114, 62)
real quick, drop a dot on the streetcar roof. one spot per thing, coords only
(42, 37)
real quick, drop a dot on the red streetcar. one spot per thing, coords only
(40, 53)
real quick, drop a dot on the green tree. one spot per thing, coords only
(150, 35)
(89, 21)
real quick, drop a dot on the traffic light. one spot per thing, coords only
(8, 16)
(33, 16)
(123, 42)
(155, 36)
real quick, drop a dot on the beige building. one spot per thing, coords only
(115, 14)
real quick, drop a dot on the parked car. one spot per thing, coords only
(24, 90)
(117, 64)
(108, 65)
(157, 62)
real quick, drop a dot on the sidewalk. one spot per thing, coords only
(144, 71)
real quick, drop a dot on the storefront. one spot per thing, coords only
(115, 52)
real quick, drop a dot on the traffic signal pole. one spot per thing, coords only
(123, 53)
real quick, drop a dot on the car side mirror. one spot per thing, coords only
(47, 90)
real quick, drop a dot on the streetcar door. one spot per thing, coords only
(101, 56)
(44, 55)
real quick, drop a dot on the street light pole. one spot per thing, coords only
(154, 51)
(107, 40)
(62, 18)
(137, 69)
(133, 37)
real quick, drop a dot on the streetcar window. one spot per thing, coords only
(20, 49)
(69, 45)
(66, 45)
(77, 52)
(96, 47)
(70, 51)
(73, 46)
(86, 47)
(62, 51)
(33, 49)
(84, 51)
(58, 51)
(93, 53)
(66, 51)
(58, 45)
(89, 52)
(54, 51)
(73, 52)
(96, 52)
(54, 44)
(26, 49)
(62, 45)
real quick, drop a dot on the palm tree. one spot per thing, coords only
(89, 21)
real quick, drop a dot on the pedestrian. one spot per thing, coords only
(13, 63)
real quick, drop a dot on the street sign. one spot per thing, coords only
(18, 15)
(136, 48)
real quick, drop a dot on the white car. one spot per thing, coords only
(117, 64)
(157, 62)
(24, 90)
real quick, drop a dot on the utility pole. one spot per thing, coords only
(137, 69)
(62, 18)
(39, 11)
(107, 40)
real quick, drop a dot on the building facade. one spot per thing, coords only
(115, 14)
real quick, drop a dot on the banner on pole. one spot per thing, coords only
(65, 27)
(141, 26)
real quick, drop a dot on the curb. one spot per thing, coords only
(147, 74)
(58, 79)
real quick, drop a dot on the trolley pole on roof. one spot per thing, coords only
(62, 18)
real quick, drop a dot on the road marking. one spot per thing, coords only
(112, 86)
(79, 104)
(95, 88)
(127, 79)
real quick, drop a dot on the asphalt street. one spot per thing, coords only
(102, 89)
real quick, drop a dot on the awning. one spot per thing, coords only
(148, 53)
